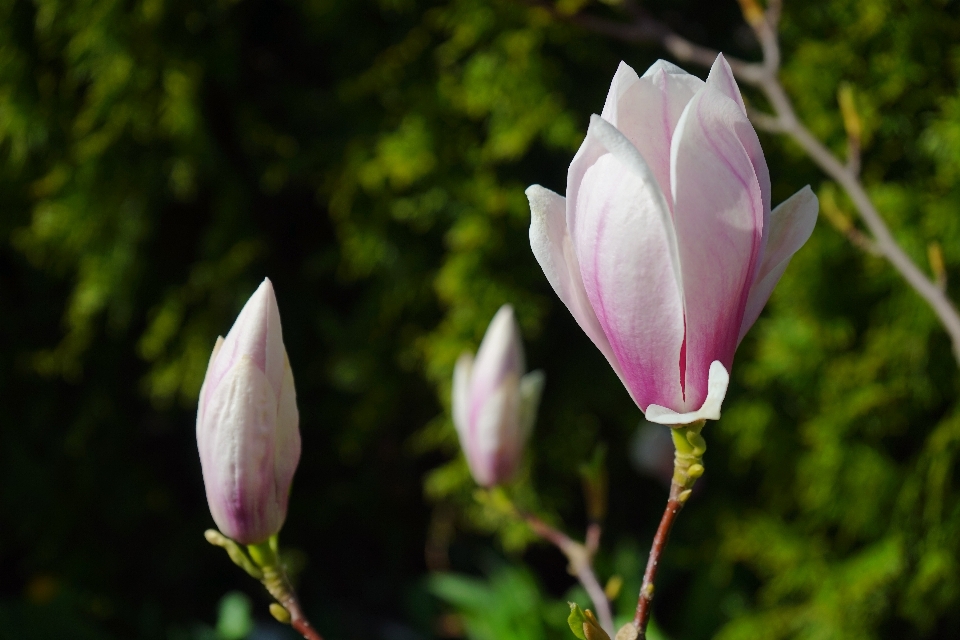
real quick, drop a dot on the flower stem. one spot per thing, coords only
(278, 585)
(642, 616)
(687, 467)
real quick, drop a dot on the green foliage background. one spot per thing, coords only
(159, 157)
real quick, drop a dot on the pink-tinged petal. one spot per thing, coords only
(718, 211)
(236, 444)
(499, 356)
(717, 385)
(553, 249)
(256, 334)
(647, 109)
(722, 79)
(625, 243)
(623, 79)
(286, 447)
(208, 385)
(461, 394)
(790, 226)
(494, 449)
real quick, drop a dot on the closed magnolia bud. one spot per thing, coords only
(248, 425)
(494, 403)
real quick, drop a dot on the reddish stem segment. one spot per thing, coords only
(674, 505)
(276, 582)
(299, 621)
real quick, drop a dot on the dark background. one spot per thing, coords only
(159, 158)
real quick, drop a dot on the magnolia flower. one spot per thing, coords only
(494, 403)
(247, 424)
(665, 249)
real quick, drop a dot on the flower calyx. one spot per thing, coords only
(688, 459)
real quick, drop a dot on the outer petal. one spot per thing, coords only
(710, 410)
(553, 249)
(500, 355)
(258, 335)
(236, 443)
(624, 240)
(646, 110)
(286, 445)
(719, 211)
(493, 453)
(208, 385)
(722, 79)
(461, 395)
(790, 226)
(623, 80)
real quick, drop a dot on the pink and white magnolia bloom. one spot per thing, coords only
(494, 403)
(665, 249)
(248, 425)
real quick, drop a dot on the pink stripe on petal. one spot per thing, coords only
(648, 115)
(722, 79)
(625, 260)
(553, 248)
(790, 226)
(719, 212)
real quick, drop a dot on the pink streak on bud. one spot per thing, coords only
(248, 425)
(489, 398)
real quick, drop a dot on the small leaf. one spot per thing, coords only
(576, 620)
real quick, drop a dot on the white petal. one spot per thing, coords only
(236, 443)
(790, 227)
(286, 452)
(208, 383)
(710, 410)
(647, 111)
(493, 451)
(499, 357)
(721, 78)
(461, 395)
(719, 210)
(552, 247)
(624, 240)
(257, 334)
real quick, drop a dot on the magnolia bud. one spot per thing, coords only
(247, 424)
(494, 403)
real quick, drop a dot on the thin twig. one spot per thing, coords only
(581, 563)
(674, 504)
(643, 28)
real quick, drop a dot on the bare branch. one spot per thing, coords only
(645, 29)
(764, 121)
(774, 9)
(580, 557)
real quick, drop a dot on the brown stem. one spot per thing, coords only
(674, 504)
(276, 582)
